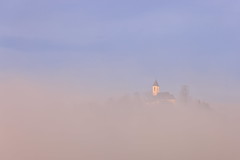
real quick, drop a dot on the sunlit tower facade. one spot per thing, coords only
(155, 89)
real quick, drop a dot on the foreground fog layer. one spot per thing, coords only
(42, 124)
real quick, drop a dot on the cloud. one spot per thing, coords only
(85, 26)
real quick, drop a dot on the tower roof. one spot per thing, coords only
(155, 83)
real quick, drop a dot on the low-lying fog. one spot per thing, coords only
(38, 123)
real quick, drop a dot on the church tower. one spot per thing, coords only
(155, 89)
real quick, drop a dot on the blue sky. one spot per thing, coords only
(125, 44)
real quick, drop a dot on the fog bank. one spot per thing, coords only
(41, 122)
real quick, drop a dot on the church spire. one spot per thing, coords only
(155, 83)
(155, 88)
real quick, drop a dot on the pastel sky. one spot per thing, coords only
(125, 44)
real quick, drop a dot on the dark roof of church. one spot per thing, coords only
(155, 83)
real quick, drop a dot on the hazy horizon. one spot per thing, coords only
(75, 74)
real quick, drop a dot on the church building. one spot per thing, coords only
(161, 97)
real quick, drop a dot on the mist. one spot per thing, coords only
(40, 121)
(76, 80)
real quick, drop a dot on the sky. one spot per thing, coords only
(108, 46)
(71, 72)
